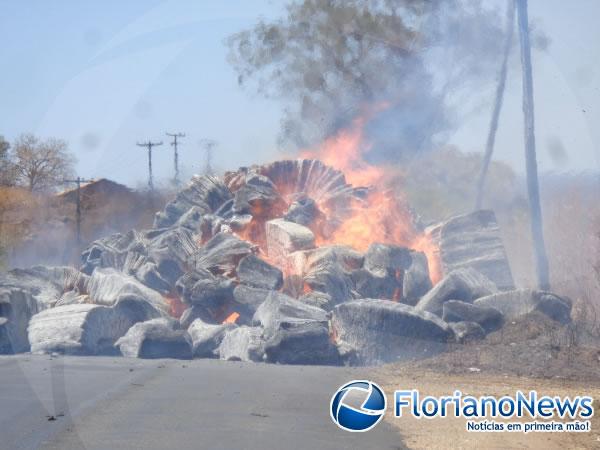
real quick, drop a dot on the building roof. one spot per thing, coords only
(96, 187)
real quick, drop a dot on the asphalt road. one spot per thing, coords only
(118, 403)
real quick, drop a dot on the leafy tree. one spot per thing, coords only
(327, 59)
(440, 185)
(41, 165)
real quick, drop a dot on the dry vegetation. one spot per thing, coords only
(441, 185)
(41, 228)
(16, 208)
(532, 347)
(531, 353)
(571, 227)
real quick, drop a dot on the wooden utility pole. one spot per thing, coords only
(149, 146)
(175, 155)
(489, 147)
(78, 182)
(533, 188)
(208, 145)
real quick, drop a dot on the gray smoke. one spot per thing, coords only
(328, 59)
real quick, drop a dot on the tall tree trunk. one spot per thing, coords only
(489, 147)
(533, 188)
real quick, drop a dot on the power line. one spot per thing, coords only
(78, 182)
(121, 159)
(149, 145)
(175, 154)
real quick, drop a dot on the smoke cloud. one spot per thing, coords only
(427, 61)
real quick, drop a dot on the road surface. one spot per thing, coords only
(118, 403)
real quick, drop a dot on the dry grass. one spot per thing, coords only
(533, 346)
(532, 353)
(41, 229)
(442, 184)
(571, 232)
(17, 211)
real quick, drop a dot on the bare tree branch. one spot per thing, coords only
(41, 165)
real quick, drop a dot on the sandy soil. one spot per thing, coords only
(450, 433)
(531, 353)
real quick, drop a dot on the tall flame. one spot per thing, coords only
(382, 216)
(345, 150)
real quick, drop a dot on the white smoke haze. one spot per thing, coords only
(434, 64)
(427, 61)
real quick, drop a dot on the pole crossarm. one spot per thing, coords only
(174, 144)
(149, 145)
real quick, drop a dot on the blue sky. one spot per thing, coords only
(105, 74)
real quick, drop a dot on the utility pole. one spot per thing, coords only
(78, 182)
(208, 145)
(533, 187)
(149, 146)
(489, 146)
(176, 155)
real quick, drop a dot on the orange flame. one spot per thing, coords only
(423, 243)
(345, 150)
(333, 335)
(382, 216)
(306, 289)
(232, 318)
(176, 306)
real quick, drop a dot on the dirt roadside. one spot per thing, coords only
(450, 433)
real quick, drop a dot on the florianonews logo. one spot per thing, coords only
(358, 406)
